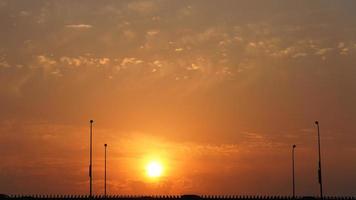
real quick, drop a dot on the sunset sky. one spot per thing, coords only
(215, 91)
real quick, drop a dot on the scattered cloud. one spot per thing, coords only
(71, 61)
(4, 64)
(179, 49)
(42, 59)
(298, 55)
(158, 63)
(24, 13)
(104, 61)
(130, 61)
(84, 61)
(152, 32)
(344, 51)
(79, 26)
(323, 51)
(341, 45)
(193, 67)
(182, 71)
(3, 3)
(143, 7)
(129, 34)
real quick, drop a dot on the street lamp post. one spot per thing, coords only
(293, 176)
(319, 170)
(105, 146)
(91, 158)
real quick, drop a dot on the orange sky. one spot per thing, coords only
(218, 91)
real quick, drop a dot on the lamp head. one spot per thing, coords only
(105, 145)
(316, 122)
(91, 121)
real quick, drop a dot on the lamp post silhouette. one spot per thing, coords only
(105, 146)
(293, 176)
(319, 169)
(91, 159)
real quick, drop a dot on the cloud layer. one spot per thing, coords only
(219, 90)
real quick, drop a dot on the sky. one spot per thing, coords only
(216, 91)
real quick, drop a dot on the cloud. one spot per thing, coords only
(48, 65)
(3, 3)
(323, 51)
(84, 60)
(4, 64)
(24, 13)
(152, 32)
(104, 61)
(44, 14)
(341, 45)
(158, 63)
(298, 55)
(46, 60)
(179, 49)
(344, 51)
(212, 149)
(143, 7)
(79, 26)
(130, 61)
(193, 67)
(71, 61)
(227, 72)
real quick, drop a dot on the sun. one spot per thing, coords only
(154, 169)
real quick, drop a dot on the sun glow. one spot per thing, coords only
(154, 169)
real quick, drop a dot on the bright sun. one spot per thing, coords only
(154, 169)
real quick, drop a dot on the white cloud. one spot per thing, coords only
(104, 61)
(298, 55)
(79, 26)
(156, 18)
(158, 63)
(46, 60)
(24, 13)
(179, 49)
(341, 45)
(344, 51)
(238, 39)
(129, 34)
(185, 12)
(129, 61)
(252, 44)
(152, 32)
(193, 67)
(143, 7)
(48, 65)
(4, 64)
(84, 60)
(323, 51)
(71, 61)
(57, 72)
(3, 4)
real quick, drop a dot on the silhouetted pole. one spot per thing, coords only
(105, 146)
(319, 170)
(91, 158)
(293, 147)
